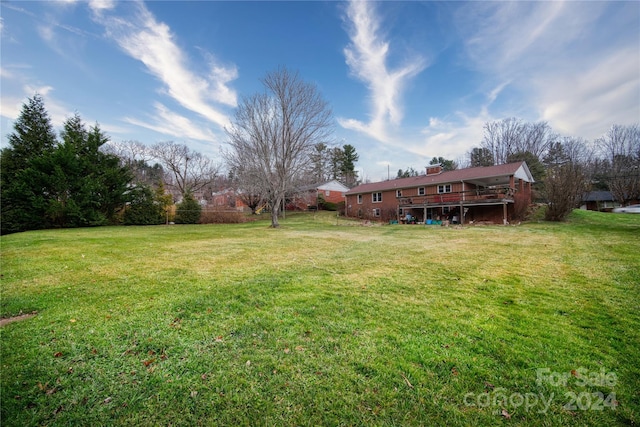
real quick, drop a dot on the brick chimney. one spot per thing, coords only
(434, 169)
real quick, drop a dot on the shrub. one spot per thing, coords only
(188, 211)
(222, 217)
(143, 209)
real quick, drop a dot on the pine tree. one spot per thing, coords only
(348, 169)
(110, 179)
(143, 209)
(188, 211)
(50, 184)
(23, 205)
(33, 134)
(91, 187)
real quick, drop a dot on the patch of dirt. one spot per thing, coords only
(8, 320)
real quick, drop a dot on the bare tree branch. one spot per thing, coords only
(189, 171)
(621, 150)
(274, 133)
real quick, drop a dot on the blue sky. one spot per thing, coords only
(406, 80)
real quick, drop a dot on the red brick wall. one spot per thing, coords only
(333, 197)
(388, 206)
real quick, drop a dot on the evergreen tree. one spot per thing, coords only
(163, 200)
(447, 165)
(320, 162)
(110, 180)
(88, 186)
(188, 211)
(33, 134)
(536, 167)
(348, 167)
(22, 203)
(410, 172)
(480, 157)
(143, 208)
(46, 184)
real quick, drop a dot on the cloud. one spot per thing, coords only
(453, 138)
(46, 33)
(170, 123)
(98, 6)
(367, 56)
(144, 38)
(565, 68)
(12, 104)
(588, 103)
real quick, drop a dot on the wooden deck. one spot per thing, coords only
(487, 196)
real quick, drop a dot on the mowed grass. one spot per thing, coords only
(324, 322)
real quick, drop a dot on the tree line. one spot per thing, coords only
(565, 168)
(49, 183)
(280, 142)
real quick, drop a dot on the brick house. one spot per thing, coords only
(227, 198)
(496, 194)
(332, 191)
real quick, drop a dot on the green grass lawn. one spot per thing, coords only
(324, 322)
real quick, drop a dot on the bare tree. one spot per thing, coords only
(536, 139)
(320, 161)
(620, 147)
(189, 171)
(501, 138)
(130, 151)
(506, 137)
(566, 177)
(249, 191)
(138, 158)
(274, 134)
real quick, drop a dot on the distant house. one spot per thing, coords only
(493, 194)
(598, 201)
(227, 199)
(309, 196)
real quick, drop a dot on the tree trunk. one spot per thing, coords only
(275, 209)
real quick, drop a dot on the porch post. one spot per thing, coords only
(462, 204)
(504, 213)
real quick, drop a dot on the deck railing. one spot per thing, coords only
(476, 195)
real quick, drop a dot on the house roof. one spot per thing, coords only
(598, 196)
(486, 176)
(330, 185)
(333, 186)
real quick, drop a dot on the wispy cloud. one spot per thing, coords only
(588, 103)
(367, 57)
(170, 123)
(142, 37)
(99, 6)
(454, 137)
(566, 68)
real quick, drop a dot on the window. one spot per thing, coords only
(327, 192)
(376, 212)
(444, 188)
(376, 197)
(398, 193)
(420, 191)
(359, 199)
(401, 212)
